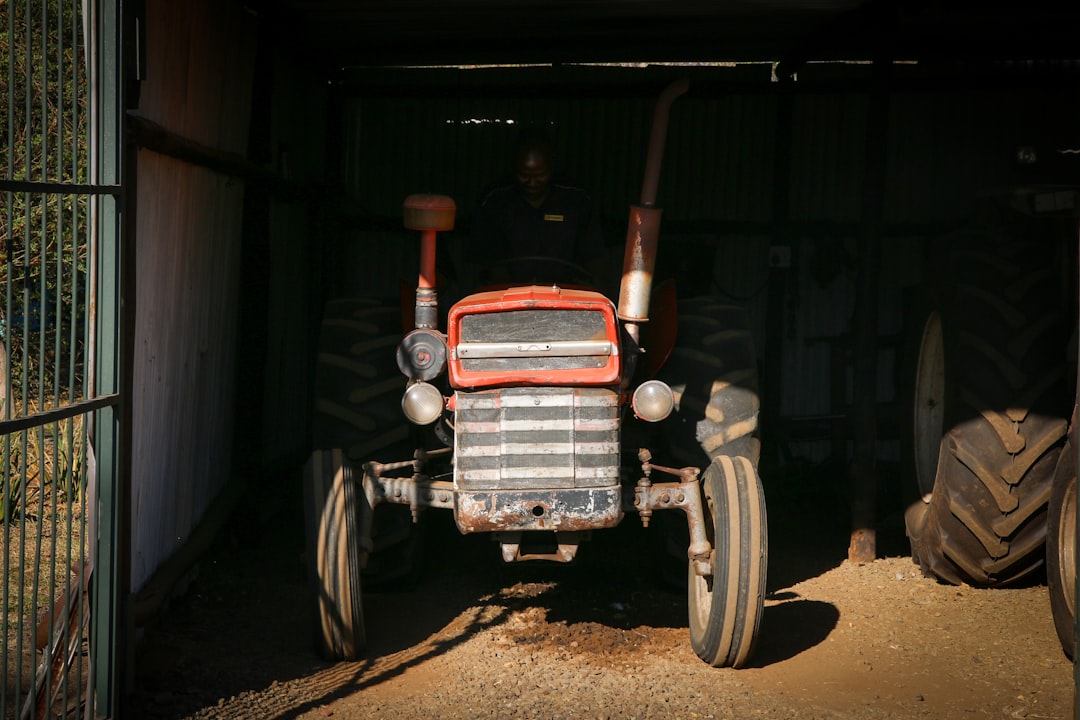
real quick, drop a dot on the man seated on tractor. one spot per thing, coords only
(536, 228)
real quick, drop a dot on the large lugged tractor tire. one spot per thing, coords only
(338, 545)
(992, 352)
(1061, 545)
(726, 607)
(358, 386)
(357, 418)
(713, 372)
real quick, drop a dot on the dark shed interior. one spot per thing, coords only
(822, 152)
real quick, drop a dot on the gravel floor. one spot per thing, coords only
(603, 638)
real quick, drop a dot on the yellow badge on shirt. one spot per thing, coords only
(551, 217)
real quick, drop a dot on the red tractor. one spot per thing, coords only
(521, 418)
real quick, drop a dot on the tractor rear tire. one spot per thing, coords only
(713, 372)
(1061, 545)
(726, 607)
(358, 389)
(338, 545)
(358, 386)
(998, 330)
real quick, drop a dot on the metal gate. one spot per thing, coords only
(60, 499)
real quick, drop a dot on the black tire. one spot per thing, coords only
(337, 547)
(726, 608)
(1061, 545)
(1002, 332)
(358, 389)
(713, 373)
(358, 385)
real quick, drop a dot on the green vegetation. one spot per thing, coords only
(43, 256)
(51, 456)
(44, 241)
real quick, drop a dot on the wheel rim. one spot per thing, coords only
(701, 588)
(929, 410)
(1067, 544)
(702, 600)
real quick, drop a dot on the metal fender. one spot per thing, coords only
(659, 334)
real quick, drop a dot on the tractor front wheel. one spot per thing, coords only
(726, 606)
(339, 540)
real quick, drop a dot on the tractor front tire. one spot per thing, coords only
(338, 545)
(726, 606)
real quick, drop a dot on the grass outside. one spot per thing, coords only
(41, 549)
(43, 534)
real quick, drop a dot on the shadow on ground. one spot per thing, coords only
(245, 623)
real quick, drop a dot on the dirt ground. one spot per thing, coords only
(602, 638)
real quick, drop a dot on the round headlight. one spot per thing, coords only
(653, 401)
(422, 403)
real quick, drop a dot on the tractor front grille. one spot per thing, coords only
(536, 437)
(529, 340)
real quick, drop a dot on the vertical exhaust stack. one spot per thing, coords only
(644, 227)
(429, 214)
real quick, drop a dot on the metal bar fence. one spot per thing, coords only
(47, 301)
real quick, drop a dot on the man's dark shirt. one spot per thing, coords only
(565, 226)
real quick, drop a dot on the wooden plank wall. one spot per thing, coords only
(198, 82)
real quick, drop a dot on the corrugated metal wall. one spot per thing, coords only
(198, 80)
(295, 237)
(944, 147)
(947, 145)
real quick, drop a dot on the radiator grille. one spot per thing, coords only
(521, 438)
(532, 329)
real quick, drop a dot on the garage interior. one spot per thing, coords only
(822, 152)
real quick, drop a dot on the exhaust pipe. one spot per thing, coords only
(644, 226)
